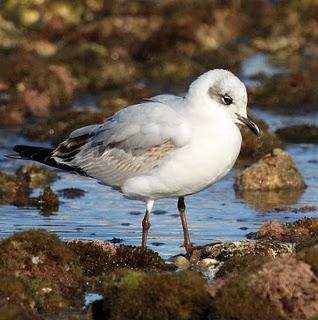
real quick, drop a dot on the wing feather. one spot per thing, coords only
(132, 142)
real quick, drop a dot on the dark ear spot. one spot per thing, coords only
(212, 92)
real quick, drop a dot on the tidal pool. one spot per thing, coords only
(215, 214)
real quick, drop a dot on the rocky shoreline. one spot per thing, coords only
(46, 278)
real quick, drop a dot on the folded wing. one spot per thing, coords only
(132, 142)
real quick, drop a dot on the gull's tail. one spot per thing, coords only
(42, 155)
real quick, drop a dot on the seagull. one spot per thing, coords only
(164, 147)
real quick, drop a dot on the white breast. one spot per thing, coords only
(210, 154)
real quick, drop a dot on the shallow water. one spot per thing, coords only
(215, 214)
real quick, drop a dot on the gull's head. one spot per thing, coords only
(220, 90)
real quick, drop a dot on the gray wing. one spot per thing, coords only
(132, 142)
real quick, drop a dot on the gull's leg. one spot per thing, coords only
(181, 208)
(146, 222)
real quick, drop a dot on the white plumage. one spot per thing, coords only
(167, 146)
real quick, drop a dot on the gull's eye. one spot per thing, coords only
(227, 100)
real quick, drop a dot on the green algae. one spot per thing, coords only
(237, 265)
(138, 295)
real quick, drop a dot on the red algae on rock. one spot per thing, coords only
(287, 232)
(284, 288)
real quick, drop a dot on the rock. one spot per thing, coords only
(181, 262)
(299, 134)
(130, 94)
(253, 147)
(226, 250)
(39, 272)
(106, 72)
(275, 171)
(97, 258)
(58, 127)
(11, 117)
(13, 190)
(139, 295)
(238, 264)
(48, 201)
(29, 91)
(297, 231)
(216, 259)
(37, 176)
(71, 193)
(292, 89)
(309, 255)
(14, 312)
(270, 288)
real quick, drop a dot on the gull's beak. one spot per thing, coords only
(249, 123)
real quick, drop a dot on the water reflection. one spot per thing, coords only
(269, 200)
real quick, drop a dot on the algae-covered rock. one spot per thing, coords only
(14, 312)
(310, 256)
(97, 259)
(128, 95)
(221, 258)
(299, 134)
(37, 176)
(13, 189)
(26, 76)
(274, 171)
(238, 264)
(284, 288)
(71, 193)
(58, 127)
(226, 250)
(300, 230)
(289, 89)
(253, 147)
(48, 201)
(11, 117)
(39, 272)
(105, 72)
(154, 296)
